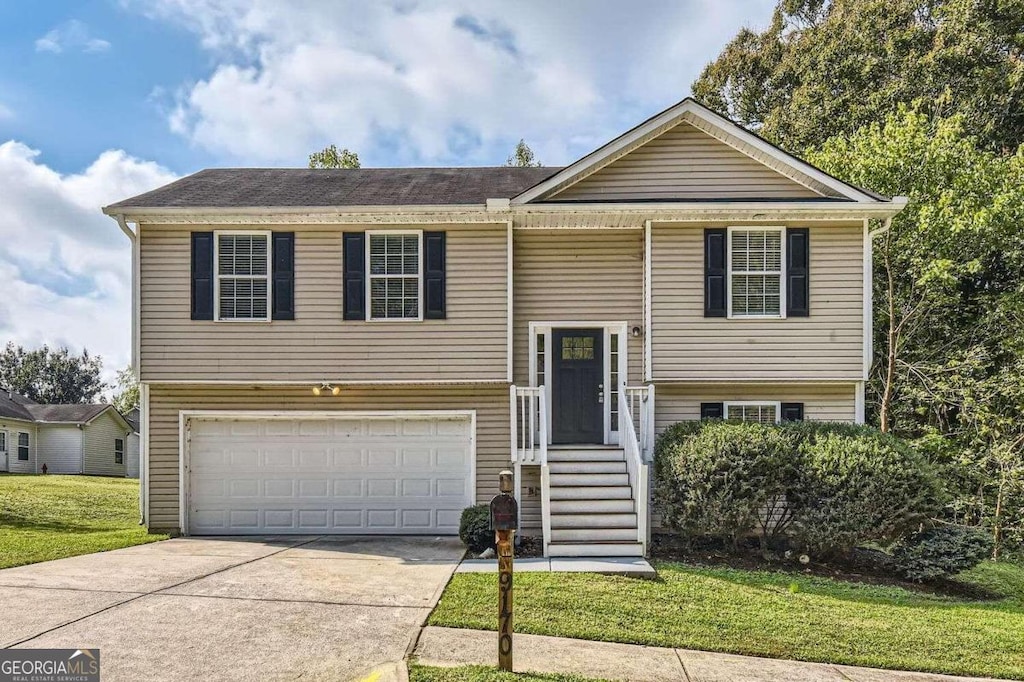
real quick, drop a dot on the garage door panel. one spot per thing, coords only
(341, 475)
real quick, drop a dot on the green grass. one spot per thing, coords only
(51, 517)
(764, 613)
(480, 673)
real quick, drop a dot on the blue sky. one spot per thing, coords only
(102, 99)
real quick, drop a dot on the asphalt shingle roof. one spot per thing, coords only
(14, 406)
(293, 187)
(65, 413)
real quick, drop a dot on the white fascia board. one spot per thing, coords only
(700, 210)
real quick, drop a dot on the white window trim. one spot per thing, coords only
(782, 272)
(116, 451)
(369, 277)
(753, 403)
(217, 276)
(27, 446)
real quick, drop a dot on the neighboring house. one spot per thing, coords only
(131, 462)
(68, 439)
(362, 351)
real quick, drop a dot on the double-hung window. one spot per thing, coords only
(395, 271)
(119, 451)
(756, 282)
(766, 413)
(23, 447)
(243, 276)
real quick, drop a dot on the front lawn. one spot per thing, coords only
(480, 673)
(766, 613)
(51, 517)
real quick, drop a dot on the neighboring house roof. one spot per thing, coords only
(326, 187)
(14, 406)
(132, 417)
(74, 414)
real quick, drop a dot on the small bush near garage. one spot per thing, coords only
(475, 528)
(726, 480)
(821, 488)
(941, 552)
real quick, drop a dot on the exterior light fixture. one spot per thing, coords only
(319, 390)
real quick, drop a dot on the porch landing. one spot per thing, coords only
(636, 567)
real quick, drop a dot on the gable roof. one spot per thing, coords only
(14, 406)
(328, 187)
(694, 113)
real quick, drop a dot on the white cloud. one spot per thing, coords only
(5, 112)
(442, 82)
(71, 35)
(66, 267)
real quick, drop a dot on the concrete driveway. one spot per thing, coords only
(274, 608)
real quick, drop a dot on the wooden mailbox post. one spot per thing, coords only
(504, 519)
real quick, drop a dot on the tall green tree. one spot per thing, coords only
(949, 303)
(824, 68)
(522, 156)
(51, 375)
(126, 396)
(330, 157)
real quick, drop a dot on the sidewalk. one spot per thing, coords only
(448, 647)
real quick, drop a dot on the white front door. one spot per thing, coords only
(3, 452)
(338, 474)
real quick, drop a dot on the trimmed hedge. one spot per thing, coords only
(842, 484)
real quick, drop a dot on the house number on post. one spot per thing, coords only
(504, 519)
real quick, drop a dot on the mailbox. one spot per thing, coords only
(504, 508)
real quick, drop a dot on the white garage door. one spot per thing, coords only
(395, 474)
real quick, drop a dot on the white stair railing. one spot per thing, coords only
(529, 425)
(640, 404)
(635, 465)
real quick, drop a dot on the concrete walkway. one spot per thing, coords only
(636, 567)
(449, 647)
(315, 608)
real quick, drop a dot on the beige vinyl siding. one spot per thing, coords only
(685, 163)
(686, 346)
(577, 276)
(822, 402)
(492, 428)
(471, 344)
(60, 448)
(99, 445)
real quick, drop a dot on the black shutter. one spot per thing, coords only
(715, 285)
(433, 275)
(798, 272)
(354, 267)
(283, 259)
(712, 410)
(202, 275)
(792, 412)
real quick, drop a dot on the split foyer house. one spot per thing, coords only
(362, 351)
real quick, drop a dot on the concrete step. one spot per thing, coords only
(587, 455)
(609, 492)
(587, 467)
(580, 480)
(624, 506)
(593, 534)
(593, 520)
(604, 549)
